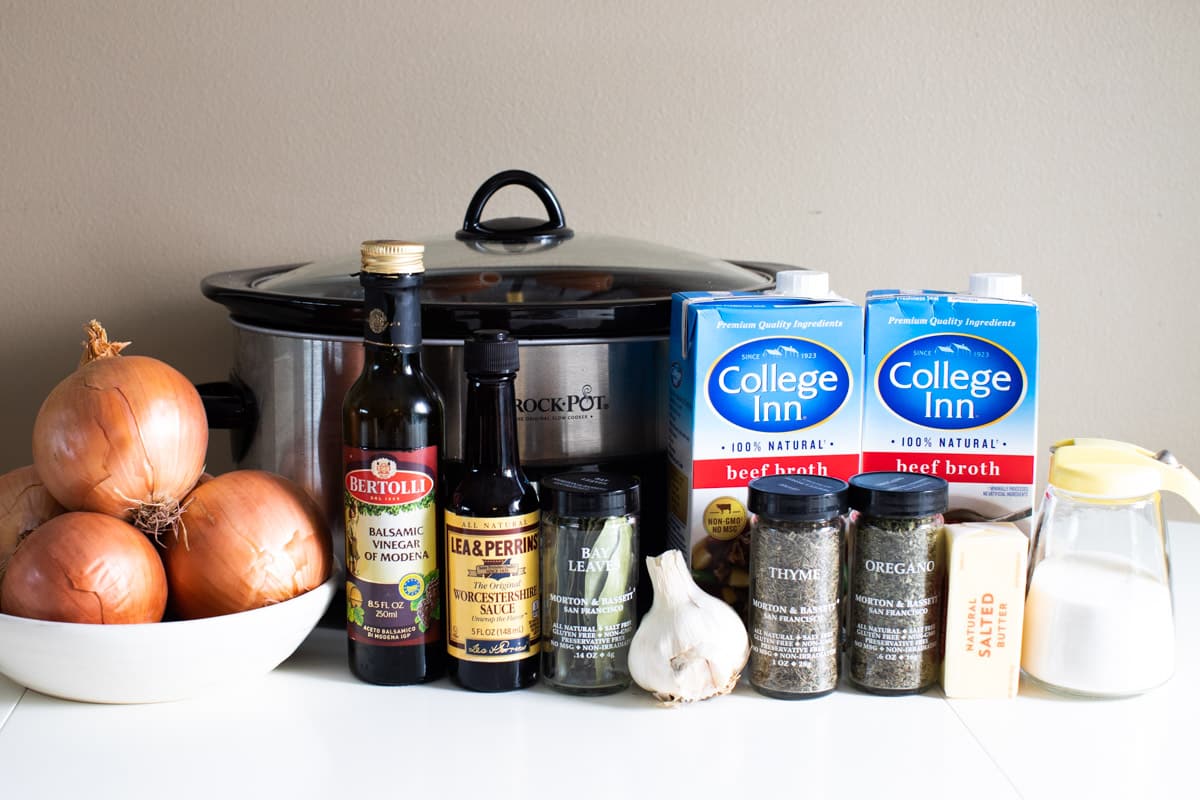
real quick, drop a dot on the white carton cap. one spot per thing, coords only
(802, 283)
(1000, 285)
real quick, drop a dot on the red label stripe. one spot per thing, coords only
(957, 467)
(721, 473)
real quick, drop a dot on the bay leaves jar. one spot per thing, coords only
(796, 544)
(589, 574)
(897, 581)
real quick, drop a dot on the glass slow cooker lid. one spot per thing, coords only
(591, 269)
(534, 277)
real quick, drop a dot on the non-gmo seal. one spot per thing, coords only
(724, 518)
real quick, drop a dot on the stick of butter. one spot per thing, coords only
(985, 609)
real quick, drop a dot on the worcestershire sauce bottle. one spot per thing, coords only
(392, 432)
(492, 589)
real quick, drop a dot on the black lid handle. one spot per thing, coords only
(514, 229)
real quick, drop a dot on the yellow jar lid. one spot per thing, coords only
(1117, 470)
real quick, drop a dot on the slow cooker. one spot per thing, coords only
(591, 312)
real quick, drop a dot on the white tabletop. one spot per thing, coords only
(311, 730)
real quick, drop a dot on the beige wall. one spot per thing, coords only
(144, 145)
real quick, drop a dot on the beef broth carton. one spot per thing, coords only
(951, 390)
(760, 384)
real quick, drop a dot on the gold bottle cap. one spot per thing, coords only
(390, 257)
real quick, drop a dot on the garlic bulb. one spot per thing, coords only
(690, 645)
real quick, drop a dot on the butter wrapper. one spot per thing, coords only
(985, 609)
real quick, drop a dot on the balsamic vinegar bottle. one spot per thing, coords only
(392, 433)
(492, 589)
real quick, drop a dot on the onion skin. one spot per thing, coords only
(25, 503)
(85, 567)
(246, 539)
(120, 435)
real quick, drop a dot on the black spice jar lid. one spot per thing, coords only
(590, 494)
(899, 494)
(798, 497)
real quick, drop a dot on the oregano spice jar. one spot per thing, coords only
(796, 543)
(897, 581)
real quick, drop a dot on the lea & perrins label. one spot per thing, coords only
(494, 600)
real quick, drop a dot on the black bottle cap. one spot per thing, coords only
(491, 352)
(798, 497)
(590, 494)
(899, 494)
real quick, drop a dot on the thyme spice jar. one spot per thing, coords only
(589, 580)
(897, 581)
(796, 545)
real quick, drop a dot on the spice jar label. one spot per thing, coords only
(796, 569)
(590, 587)
(393, 587)
(494, 605)
(896, 586)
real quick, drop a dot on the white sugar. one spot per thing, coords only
(1097, 624)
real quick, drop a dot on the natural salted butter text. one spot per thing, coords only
(984, 609)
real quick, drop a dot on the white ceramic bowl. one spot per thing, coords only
(160, 661)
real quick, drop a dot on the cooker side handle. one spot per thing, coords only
(230, 404)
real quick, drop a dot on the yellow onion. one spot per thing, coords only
(85, 567)
(24, 505)
(122, 435)
(246, 539)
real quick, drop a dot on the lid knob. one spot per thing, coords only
(514, 229)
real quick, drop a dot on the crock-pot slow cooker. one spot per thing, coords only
(592, 314)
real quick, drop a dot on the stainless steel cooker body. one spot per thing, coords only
(579, 402)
